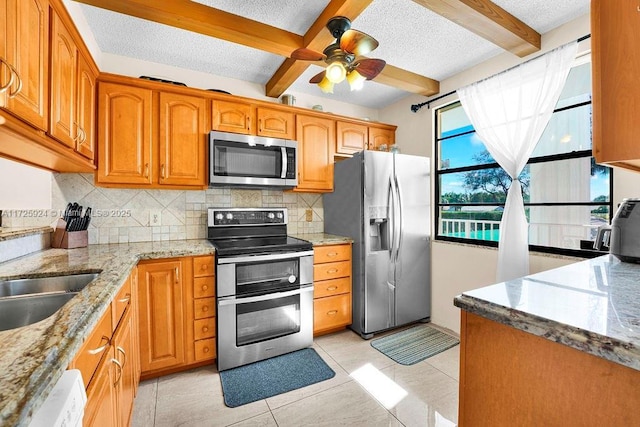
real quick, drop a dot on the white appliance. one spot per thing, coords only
(65, 404)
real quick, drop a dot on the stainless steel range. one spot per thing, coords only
(264, 285)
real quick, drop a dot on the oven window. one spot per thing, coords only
(265, 320)
(261, 277)
(236, 159)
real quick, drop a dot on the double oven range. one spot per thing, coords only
(264, 285)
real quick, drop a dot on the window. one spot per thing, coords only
(567, 196)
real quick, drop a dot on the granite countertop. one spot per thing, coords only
(592, 306)
(9, 233)
(322, 239)
(34, 357)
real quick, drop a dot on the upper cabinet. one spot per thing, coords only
(135, 123)
(316, 141)
(616, 96)
(246, 118)
(381, 138)
(24, 52)
(86, 108)
(351, 138)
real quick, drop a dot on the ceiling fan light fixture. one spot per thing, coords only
(336, 72)
(326, 85)
(356, 80)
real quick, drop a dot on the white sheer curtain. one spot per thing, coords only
(509, 112)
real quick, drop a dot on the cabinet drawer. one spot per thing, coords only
(331, 253)
(331, 312)
(96, 345)
(204, 328)
(120, 303)
(203, 266)
(331, 270)
(325, 288)
(204, 287)
(204, 307)
(205, 349)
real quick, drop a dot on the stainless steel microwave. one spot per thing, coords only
(252, 161)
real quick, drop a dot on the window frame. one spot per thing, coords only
(583, 253)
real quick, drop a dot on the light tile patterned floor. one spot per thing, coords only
(194, 398)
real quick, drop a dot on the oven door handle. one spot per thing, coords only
(267, 297)
(259, 258)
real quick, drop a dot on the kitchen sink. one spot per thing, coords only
(41, 285)
(30, 300)
(25, 310)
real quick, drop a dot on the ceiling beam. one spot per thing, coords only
(408, 81)
(202, 19)
(489, 21)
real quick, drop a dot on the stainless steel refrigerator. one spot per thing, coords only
(381, 201)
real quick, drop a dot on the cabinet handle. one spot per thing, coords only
(101, 348)
(205, 350)
(332, 288)
(260, 125)
(11, 76)
(332, 312)
(177, 275)
(204, 267)
(205, 308)
(124, 355)
(83, 138)
(119, 376)
(146, 170)
(13, 93)
(77, 137)
(126, 299)
(205, 329)
(332, 254)
(332, 271)
(205, 287)
(162, 171)
(248, 123)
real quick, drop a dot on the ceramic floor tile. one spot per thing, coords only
(345, 405)
(194, 398)
(341, 377)
(264, 420)
(448, 362)
(351, 351)
(144, 408)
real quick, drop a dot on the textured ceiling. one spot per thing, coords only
(411, 37)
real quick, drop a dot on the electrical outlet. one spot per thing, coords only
(308, 215)
(155, 217)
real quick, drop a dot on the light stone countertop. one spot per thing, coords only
(9, 233)
(34, 357)
(592, 306)
(323, 239)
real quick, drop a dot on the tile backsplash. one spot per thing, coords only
(123, 216)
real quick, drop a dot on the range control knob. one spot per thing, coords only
(229, 216)
(219, 216)
(279, 215)
(271, 215)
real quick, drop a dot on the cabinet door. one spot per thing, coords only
(101, 407)
(351, 138)
(381, 137)
(276, 123)
(63, 125)
(125, 134)
(229, 116)
(125, 382)
(86, 108)
(316, 141)
(183, 140)
(162, 323)
(26, 49)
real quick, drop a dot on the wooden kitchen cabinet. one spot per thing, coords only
(245, 118)
(183, 140)
(125, 353)
(616, 96)
(276, 123)
(125, 134)
(351, 138)
(24, 49)
(316, 142)
(332, 288)
(203, 322)
(379, 136)
(101, 406)
(86, 108)
(162, 319)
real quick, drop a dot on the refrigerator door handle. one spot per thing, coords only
(391, 229)
(399, 218)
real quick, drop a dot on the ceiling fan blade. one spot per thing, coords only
(305, 54)
(369, 68)
(317, 78)
(357, 42)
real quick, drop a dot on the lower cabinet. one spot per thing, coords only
(204, 309)
(332, 288)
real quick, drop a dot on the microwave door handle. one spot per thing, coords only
(283, 173)
(247, 300)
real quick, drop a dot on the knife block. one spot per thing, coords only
(68, 239)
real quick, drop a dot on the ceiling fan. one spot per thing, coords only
(341, 57)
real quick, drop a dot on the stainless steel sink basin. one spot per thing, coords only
(40, 285)
(23, 311)
(30, 300)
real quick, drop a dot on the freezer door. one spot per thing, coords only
(412, 267)
(379, 286)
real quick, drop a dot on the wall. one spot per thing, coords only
(415, 136)
(23, 187)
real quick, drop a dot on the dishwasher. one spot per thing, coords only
(65, 404)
